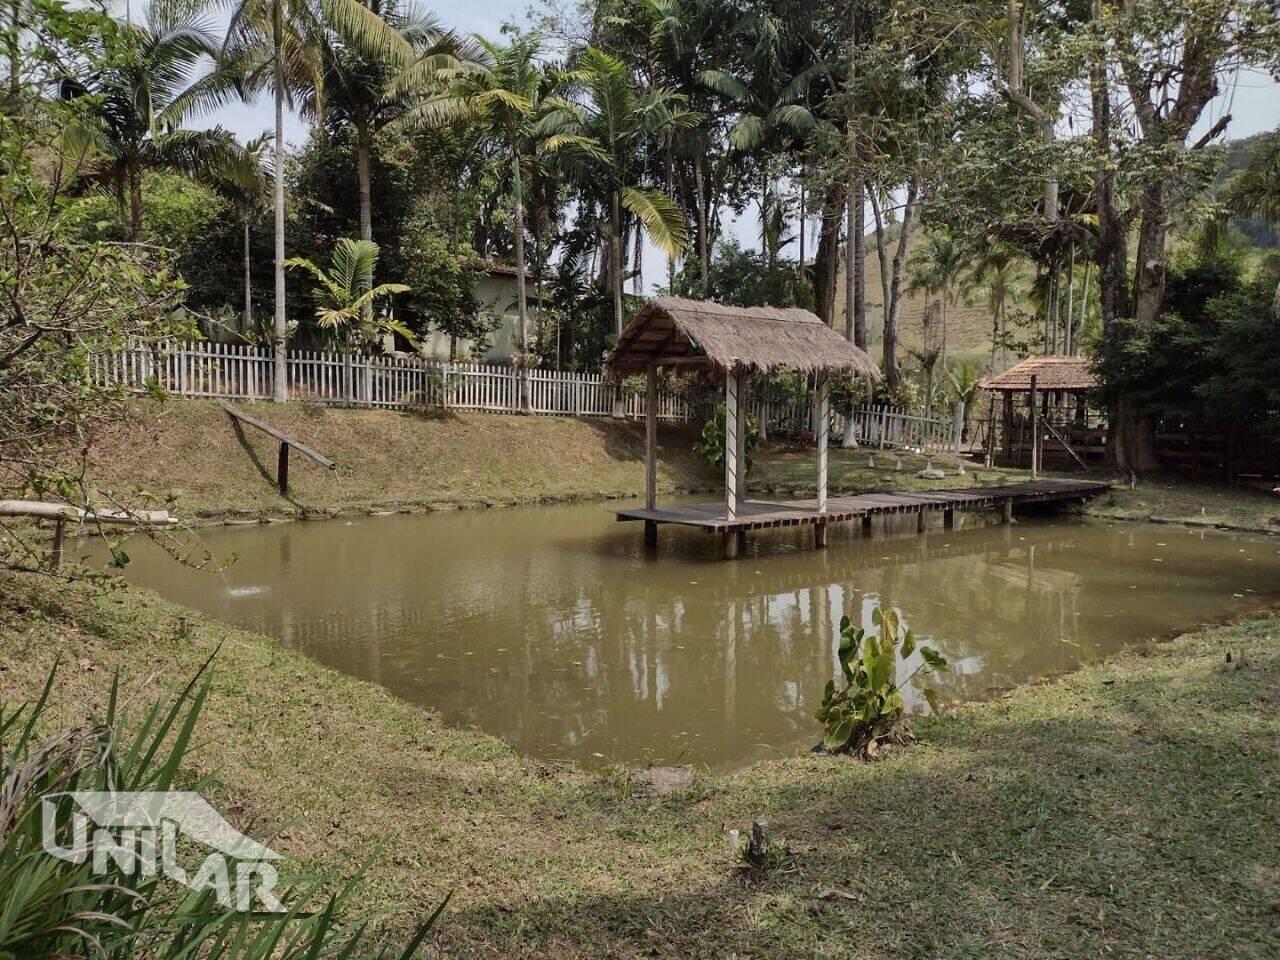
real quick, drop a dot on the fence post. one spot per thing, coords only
(959, 435)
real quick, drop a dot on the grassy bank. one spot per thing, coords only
(190, 452)
(1128, 809)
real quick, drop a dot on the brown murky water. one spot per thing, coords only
(549, 627)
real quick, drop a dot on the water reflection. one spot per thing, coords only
(549, 626)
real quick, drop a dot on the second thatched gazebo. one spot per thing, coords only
(728, 343)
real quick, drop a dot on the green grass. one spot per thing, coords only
(1129, 809)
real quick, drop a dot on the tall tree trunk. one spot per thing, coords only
(860, 264)
(1149, 277)
(1041, 117)
(522, 302)
(248, 281)
(280, 390)
(615, 261)
(894, 310)
(615, 281)
(363, 149)
(826, 262)
(766, 250)
(14, 44)
(135, 204)
(882, 252)
(704, 255)
(803, 216)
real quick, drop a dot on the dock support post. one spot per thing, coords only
(820, 534)
(282, 468)
(1035, 431)
(921, 520)
(730, 446)
(651, 533)
(59, 535)
(948, 519)
(866, 525)
(1008, 510)
(823, 435)
(731, 542)
(651, 446)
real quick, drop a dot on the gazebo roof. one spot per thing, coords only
(1051, 373)
(700, 333)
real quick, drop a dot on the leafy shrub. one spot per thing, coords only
(711, 447)
(869, 707)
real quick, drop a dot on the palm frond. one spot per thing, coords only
(661, 218)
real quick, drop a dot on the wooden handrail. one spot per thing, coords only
(63, 513)
(282, 437)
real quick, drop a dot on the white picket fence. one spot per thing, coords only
(241, 372)
(885, 427)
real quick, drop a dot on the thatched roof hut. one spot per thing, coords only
(1070, 374)
(672, 331)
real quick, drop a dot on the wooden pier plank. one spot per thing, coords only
(762, 514)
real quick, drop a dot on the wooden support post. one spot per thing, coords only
(1008, 510)
(820, 534)
(651, 533)
(1035, 431)
(282, 468)
(59, 536)
(866, 525)
(1006, 426)
(991, 432)
(742, 441)
(922, 518)
(651, 444)
(823, 435)
(731, 544)
(730, 446)
(948, 519)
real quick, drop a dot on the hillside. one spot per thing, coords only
(968, 320)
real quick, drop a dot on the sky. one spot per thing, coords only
(1253, 101)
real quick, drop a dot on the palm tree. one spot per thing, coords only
(503, 98)
(937, 267)
(604, 135)
(372, 89)
(140, 98)
(279, 45)
(773, 119)
(1254, 191)
(345, 292)
(994, 268)
(244, 183)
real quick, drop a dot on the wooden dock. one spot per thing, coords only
(765, 514)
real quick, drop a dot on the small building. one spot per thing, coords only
(496, 292)
(1065, 434)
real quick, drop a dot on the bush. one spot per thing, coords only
(711, 447)
(869, 708)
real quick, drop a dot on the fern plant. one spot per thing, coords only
(868, 708)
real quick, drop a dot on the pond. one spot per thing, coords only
(549, 626)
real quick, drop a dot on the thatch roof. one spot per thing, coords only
(698, 333)
(1051, 373)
